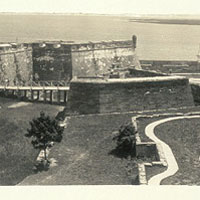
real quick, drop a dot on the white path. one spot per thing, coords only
(172, 167)
(19, 104)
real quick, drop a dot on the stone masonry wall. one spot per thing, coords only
(195, 86)
(60, 61)
(144, 73)
(52, 61)
(15, 64)
(132, 94)
(95, 59)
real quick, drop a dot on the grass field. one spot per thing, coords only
(183, 137)
(86, 155)
(17, 155)
(164, 129)
(144, 121)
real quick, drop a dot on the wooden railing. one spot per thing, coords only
(50, 83)
(47, 94)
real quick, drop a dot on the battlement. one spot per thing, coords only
(86, 46)
(73, 46)
(14, 47)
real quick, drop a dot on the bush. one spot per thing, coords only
(125, 139)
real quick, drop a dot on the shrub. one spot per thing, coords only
(125, 139)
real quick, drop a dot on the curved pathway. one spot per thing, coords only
(172, 166)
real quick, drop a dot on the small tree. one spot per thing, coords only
(44, 130)
(125, 139)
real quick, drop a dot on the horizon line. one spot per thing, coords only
(88, 13)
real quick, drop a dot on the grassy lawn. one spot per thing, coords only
(154, 170)
(17, 155)
(85, 156)
(183, 137)
(143, 122)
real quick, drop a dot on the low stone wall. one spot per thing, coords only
(90, 96)
(144, 73)
(171, 66)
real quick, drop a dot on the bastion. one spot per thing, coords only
(90, 96)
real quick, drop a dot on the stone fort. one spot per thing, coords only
(103, 76)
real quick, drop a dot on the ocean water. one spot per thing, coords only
(155, 41)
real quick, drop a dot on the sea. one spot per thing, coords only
(154, 41)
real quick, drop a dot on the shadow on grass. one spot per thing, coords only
(122, 153)
(131, 163)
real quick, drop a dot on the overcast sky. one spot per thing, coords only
(103, 6)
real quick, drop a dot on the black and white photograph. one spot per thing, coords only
(100, 93)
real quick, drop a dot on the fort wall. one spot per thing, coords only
(144, 73)
(51, 61)
(195, 87)
(89, 96)
(171, 66)
(95, 59)
(60, 60)
(15, 64)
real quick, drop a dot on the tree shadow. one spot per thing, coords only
(42, 165)
(122, 153)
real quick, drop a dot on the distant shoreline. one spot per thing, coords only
(168, 21)
(135, 16)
